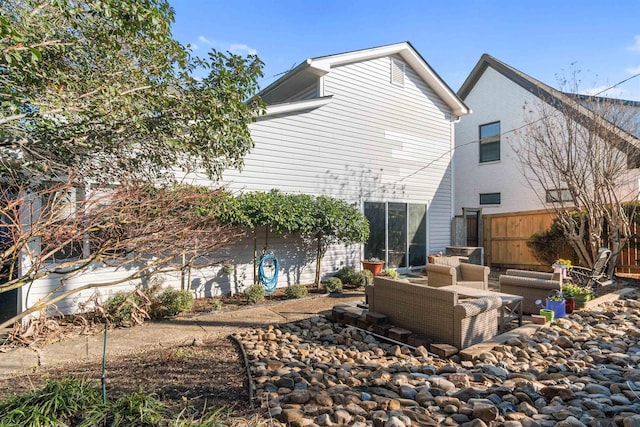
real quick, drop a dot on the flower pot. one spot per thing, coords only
(373, 266)
(569, 304)
(580, 302)
(548, 314)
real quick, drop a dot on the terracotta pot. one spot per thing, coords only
(373, 266)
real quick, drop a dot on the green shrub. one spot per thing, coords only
(171, 302)
(390, 272)
(127, 308)
(368, 275)
(345, 274)
(216, 304)
(296, 291)
(333, 285)
(59, 402)
(255, 293)
(359, 279)
(551, 244)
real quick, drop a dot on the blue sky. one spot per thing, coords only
(545, 39)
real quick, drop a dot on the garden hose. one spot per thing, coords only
(268, 281)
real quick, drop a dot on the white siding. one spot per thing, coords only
(375, 141)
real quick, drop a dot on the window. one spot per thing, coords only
(489, 198)
(490, 142)
(397, 72)
(398, 233)
(558, 195)
(59, 209)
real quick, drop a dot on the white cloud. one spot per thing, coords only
(205, 40)
(237, 48)
(242, 48)
(635, 47)
(634, 70)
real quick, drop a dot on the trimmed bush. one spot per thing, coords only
(171, 302)
(368, 275)
(296, 291)
(359, 279)
(333, 285)
(345, 274)
(255, 293)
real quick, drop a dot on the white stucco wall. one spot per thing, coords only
(497, 98)
(493, 98)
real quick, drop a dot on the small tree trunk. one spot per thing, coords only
(319, 255)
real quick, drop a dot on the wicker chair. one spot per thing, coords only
(531, 285)
(470, 275)
(434, 312)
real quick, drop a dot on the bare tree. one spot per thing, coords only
(578, 154)
(59, 230)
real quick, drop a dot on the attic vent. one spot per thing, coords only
(397, 72)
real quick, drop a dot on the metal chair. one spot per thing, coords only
(595, 276)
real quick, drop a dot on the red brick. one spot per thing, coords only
(374, 318)
(399, 334)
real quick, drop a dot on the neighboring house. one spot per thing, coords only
(373, 127)
(488, 173)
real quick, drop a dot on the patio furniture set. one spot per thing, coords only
(454, 305)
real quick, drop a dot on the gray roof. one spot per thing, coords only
(550, 95)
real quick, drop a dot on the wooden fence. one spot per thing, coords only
(506, 235)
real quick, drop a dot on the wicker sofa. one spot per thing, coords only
(531, 285)
(470, 275)
(435, 312)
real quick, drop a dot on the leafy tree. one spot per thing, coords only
(321, 220)
(102, 88)
(335, 221)
(576, 153)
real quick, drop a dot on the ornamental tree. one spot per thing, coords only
(138, 229)
(579, 154)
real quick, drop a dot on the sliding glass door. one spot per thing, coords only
(398, 233)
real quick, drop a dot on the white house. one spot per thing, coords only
(373, 127)
(488, 175)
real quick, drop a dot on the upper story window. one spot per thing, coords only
(490, 142)
(558, 195)
(397, 72)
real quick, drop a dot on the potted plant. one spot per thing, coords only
(569, 291)
(583, 295)
(564, 264)
(373, 264)
(390, 272)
